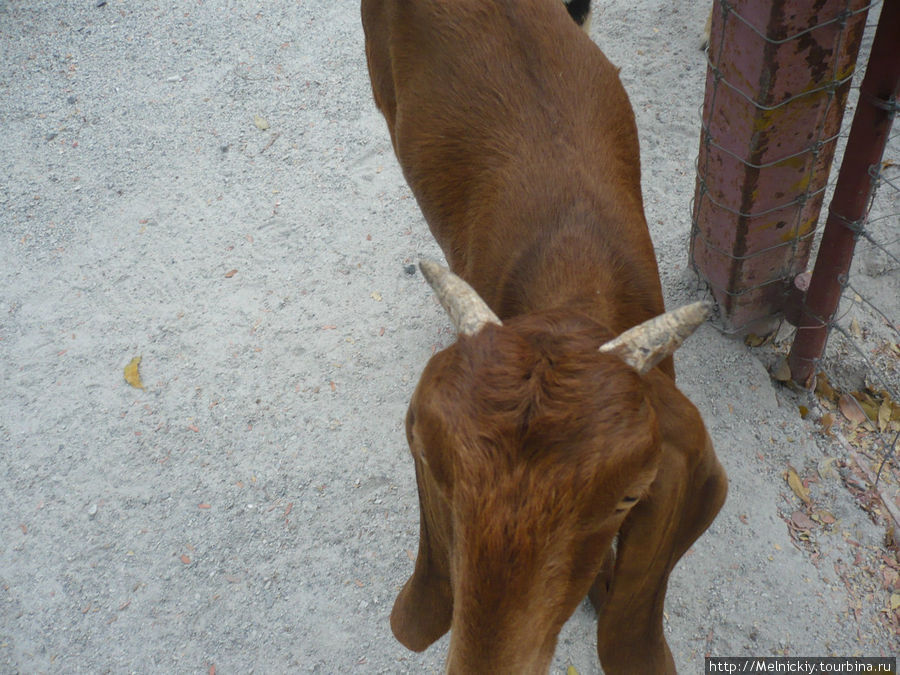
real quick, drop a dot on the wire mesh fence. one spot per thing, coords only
(859, 173)
(751, 249)
(858, 376)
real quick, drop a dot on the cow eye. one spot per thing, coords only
(626, 500)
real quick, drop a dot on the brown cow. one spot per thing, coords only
(536, 450)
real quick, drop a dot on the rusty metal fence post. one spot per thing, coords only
(878, 104)
(777, 81)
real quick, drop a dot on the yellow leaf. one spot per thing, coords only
(797, 485)
(571, 671)
(261, 123)
(825, 468)
(884, 415)
(754, 340)
(870, 408)
(132, 376)
(895, 600)
(823, 387)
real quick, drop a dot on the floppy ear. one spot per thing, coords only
(683, 500)
(424, 608)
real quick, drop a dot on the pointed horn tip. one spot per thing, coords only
(430, 268)
(700, 310)
(646, 344)
(468, 312)
(688, 318)
(428, 264)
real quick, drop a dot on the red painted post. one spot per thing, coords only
(778, 78)
(878, 101)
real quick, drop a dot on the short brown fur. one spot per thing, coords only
(530, 446)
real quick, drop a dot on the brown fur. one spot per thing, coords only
(520, 146)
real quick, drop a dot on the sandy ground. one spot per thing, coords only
(208, 185)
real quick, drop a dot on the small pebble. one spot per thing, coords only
(92, 510)
(410, 270)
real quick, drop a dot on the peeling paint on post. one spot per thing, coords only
(777, 82)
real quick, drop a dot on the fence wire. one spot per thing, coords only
(863, 354)
(798, 237)
(864, 349)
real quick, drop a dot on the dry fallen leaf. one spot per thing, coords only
(855, 329)
(797, 485)
(230, 274)
(803, 521)
(827, 421)
(895, 600)
(884, 415)
(825, 468)
(132, 376)
(851, 410)
(868, 403)
(260, 122)
(823, 387)
(754, 340)
(783, 372)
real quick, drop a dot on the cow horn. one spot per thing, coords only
(468, 312)
(645, 345)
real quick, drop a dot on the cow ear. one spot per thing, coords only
(424, 608)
